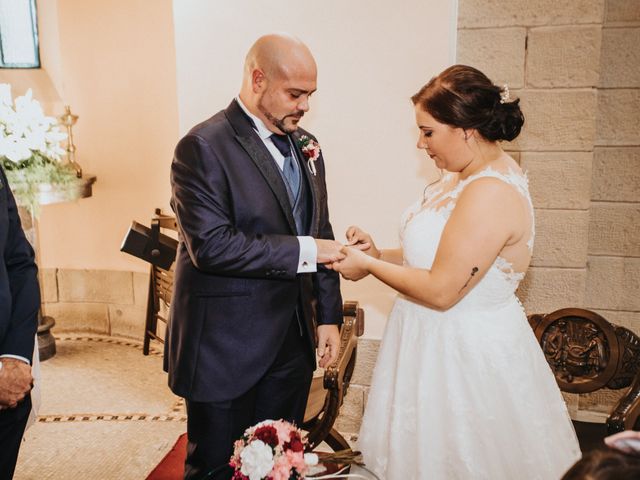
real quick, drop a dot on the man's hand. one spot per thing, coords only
(15, 382)
(627, 442)
(355, 264)
(328, 344)
(328, 251)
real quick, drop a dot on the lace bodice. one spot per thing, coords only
(423, 223)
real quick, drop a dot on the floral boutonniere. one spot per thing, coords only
(311, 150)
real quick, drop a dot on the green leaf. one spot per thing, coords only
(26, 177)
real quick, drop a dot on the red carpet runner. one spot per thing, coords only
(172, 465)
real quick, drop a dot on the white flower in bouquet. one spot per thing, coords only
(257, 460)
(25, 131)
(311, 459)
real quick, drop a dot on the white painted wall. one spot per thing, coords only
(372, 56)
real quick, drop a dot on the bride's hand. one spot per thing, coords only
(358, 238)
(355, 264)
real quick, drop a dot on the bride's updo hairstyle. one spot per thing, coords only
(463, 97)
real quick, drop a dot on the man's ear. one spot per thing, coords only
(258, 80)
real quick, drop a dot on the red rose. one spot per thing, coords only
(267, 434)
(295, 443)
(239, 476)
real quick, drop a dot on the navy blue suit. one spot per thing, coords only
(239, 306)
(19, 304)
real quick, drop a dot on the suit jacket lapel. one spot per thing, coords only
(252, 144)
(311, 182)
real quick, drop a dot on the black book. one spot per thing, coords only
(150, 245)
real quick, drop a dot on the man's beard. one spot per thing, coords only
(279, 122)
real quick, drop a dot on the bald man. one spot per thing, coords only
(252, 301)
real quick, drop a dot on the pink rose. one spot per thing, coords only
(284, 430)
(296, 460)
(281, 469)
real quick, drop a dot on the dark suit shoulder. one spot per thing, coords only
(210, 128)
(212, 134)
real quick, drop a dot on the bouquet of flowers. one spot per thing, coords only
(30, 149)
(271, 450)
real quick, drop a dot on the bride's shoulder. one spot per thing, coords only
(492, 184)
(505, 165)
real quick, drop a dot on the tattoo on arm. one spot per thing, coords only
(474, 270)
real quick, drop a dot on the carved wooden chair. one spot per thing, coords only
(587, 353)
(328, 388)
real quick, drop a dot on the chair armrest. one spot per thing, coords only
(337, 376)
(352, 327)
(625, 414)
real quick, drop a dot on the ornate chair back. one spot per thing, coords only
(587, 353)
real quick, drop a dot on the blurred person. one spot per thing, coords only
(19, 306)
(605, 465)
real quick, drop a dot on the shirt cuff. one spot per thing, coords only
(308, 255)
(17, 357)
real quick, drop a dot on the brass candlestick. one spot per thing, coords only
(69, 120)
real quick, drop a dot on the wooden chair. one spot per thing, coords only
(328, 388)
(160, 285)
(587, 353)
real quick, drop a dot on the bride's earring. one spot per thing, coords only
(466, 135)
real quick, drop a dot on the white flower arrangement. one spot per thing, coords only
(25, 131)
(30, 151)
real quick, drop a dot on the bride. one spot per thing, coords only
(461, 388)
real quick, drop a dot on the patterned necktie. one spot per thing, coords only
(290, 168)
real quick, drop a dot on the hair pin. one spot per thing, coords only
(504, 93)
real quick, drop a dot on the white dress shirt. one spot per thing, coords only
(16, 357)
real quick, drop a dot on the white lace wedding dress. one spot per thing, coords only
(465, 393)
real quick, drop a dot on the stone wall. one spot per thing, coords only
(613, 253)
(549, 55)
(100, 301)
(613, 273)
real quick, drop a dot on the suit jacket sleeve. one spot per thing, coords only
(23, 284)
(202, 202)
(326, 282)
